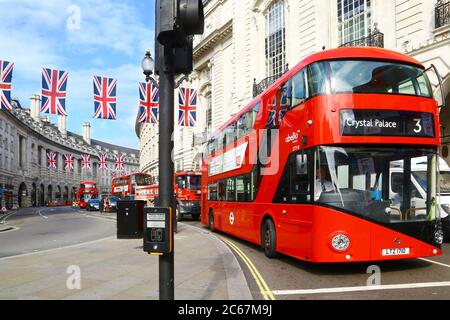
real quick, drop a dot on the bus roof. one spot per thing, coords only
(331, 54)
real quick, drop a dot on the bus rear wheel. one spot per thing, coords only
(211, 222)
(269, 239)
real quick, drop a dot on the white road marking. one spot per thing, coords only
(56, 249)
(40, 213)
(363, 288)
(435, 262)
(10, 229)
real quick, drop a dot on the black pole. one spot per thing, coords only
(166, 166)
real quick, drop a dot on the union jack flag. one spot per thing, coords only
(68, 159)
(119, 162)
(54, 85)
(102, 163)
(85, 162)
(6, 69)
(148, 103)
(279, 108)
(105, 99)
(51, 160)
(187, 104)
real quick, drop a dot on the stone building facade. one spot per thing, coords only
(26, 138)
(250, 43)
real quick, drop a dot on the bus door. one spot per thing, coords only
(295, 195)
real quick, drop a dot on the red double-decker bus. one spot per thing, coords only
(305, 168)
(87, 190)
(187, 190)
(125, 186)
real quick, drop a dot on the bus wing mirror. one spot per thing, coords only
(301, 164)
(441, 87)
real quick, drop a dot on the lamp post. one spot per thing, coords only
(148, 65)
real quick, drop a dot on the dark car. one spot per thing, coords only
(93, 205)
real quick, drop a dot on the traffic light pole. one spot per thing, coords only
(166, 166)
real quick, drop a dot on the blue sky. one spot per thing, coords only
(109, 39)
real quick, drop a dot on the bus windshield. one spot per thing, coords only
(87, 186)
(193, 182)
(362, 180)
(143, 180)
(444, 180)
(366, 76)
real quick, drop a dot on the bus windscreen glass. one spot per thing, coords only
(366, 76)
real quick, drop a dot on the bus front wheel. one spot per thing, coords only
(269, 239)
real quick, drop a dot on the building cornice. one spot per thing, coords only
(212, 39)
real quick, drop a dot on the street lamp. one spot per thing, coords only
(148, 65)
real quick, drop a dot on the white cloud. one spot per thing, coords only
(34, 35)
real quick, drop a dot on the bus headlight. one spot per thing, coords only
(340, 242)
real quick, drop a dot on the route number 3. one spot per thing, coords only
(418, 127)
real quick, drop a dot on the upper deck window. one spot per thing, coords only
(363, 76)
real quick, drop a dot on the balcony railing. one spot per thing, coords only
(265, 83)
(442, 13)
(374, 39)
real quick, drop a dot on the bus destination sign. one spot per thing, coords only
(387, 123)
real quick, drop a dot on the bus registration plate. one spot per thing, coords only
(394, 251)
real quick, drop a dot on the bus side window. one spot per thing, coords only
(298, 88)
(231, 189)
(317, 79)
(212, 192)
(221, 193)
(294, 185)
(241, 126)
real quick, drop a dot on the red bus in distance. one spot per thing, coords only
(124, 187)
(305, 168)
(87, 190)
(187, 191)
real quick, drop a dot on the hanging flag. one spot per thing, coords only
(187, 104)
(102, 163)
(148, 103)
(85, 162)
(105, 99)
(51, 160)
(54, 86)
(6, 69)
(68, 159)
(280, 106)
(119, 162)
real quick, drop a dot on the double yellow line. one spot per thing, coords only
(263, 287)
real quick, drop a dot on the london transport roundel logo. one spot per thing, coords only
(231, 217)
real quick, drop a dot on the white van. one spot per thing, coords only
(419, 189)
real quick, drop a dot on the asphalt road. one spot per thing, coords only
(37, 229)
(289, 278)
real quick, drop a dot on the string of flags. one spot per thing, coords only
(69, 161)
(54, 94)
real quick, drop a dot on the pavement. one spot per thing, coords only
(108, 268)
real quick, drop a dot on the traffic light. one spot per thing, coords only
(177, 20)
